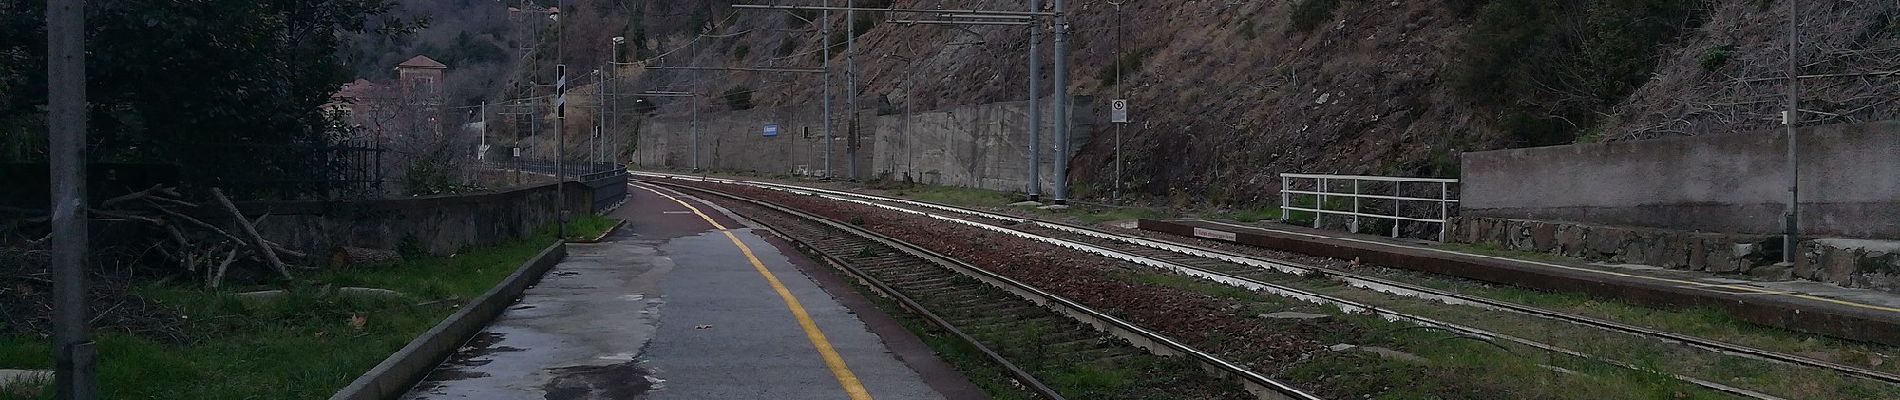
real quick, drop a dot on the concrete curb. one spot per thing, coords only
(1796, 314)
(396, 374)
(603, 235)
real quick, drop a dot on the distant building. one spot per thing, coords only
(412, 105)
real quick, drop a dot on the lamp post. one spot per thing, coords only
(600, 120)
(613, 72)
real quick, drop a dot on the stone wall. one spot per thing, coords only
(982, 146)
(1869, 264)
(1850, 182)
(440, 224)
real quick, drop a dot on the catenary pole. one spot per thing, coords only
(824, 46)
(851, 91)
(1035, 106)
(1792, 237)
(1061, 103)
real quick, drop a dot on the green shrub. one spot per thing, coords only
(1309, 14)
(739, 98)
(740, 51)
(1715, 57)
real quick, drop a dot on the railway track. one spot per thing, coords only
(979, 307)
(1256, 273)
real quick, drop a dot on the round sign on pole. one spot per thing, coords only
(1118, 110)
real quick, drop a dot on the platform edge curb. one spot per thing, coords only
(402, 369)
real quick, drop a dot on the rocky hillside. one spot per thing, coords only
(1226, 94)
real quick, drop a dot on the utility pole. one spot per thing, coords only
(1119, 93)
(560, 122)
(851, 90)
(613, 72)
(1061, 166)
(1792, 237)
(824, 45)
(600, 127)
(1035, 107)
(74, 368)
(696, 91)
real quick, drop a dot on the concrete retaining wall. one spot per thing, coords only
(982, 146)
(440, 224)
(1855, 263)
(1850, 182)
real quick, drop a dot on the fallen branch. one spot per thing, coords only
(285, 250)
(199, 223)
(128, 217)
(217, 277)
(256, 239)
(131, 196)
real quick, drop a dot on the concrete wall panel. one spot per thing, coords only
(1850, 182)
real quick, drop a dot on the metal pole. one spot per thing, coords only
(1319, 202)
(600, 128)
(1122, 94)
(824, 45)
(1355, 207)
(560, 137)
(851, 91)
(1061, 166)
(1444, 209)
(695, 121)
(483, 150)
(1035, 107)
(1791, 238)
(66, 92)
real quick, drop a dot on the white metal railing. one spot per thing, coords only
(1322, 192)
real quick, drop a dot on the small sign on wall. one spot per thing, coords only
(771, 130)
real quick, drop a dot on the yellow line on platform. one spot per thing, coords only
(832, 360)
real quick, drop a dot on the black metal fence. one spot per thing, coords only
(607, 181)
(344, 170)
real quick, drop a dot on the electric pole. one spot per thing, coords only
(73, 353)
(1793, 115)
(1061, 101)
(1035, 107)
(851, 90)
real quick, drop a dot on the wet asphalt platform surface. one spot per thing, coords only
(670, 308)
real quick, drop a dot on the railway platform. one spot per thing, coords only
(1864, 315)
(691, 302)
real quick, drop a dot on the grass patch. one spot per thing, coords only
(589, 226)
(306, 344)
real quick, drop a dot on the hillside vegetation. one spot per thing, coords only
(1227, 94)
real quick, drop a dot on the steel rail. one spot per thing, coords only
(1023, 377)
(1254, 382)
(1402, 289)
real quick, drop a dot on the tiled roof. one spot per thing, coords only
(421, 62)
